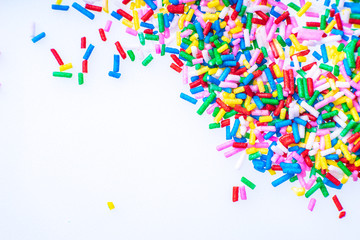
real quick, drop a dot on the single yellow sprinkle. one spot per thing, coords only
(304, 9)
(111, 205)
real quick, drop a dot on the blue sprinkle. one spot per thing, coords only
(38, 37)
(188, 98)
(83, 10)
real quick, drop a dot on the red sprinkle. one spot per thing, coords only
(235, 196)
(57, 57)
(93, 7)
(83, 42)
(337, 203)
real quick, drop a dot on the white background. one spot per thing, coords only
(66, 150)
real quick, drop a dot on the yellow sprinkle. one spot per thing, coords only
(223, 24)
(213, 3)
(289, 129)
(306, 6)
(58, 2)
(235, 30)
(279, 49)
(330, 27)
(275, 94)
(222, 48)
(260, 85)
(111, 205)
(344, 179)
(252, 137)
(219, 116)
(233, 101)
(357, 163)
(357, 77)
(136, 20)
(247, 100)
(212, 71)
(246, 64)
(265, 118)
(323, 163)
(189, 15)
(332, 163)
(239, 90)
(272, 172)
(181, 22)
(295, 42)
(178, 38)
(127, 23)
(299, 191)
(137, 3)
(345, 151)
(349, 102)
(132, 6)
(251, 107)
(355, 114)
(282, 113)
(225, 39)
(105, 6)
(194, 37)
(65, 67)
(301, 58)
(317, 160)
(292, 50)
(327, 140)
(277, 71)
(202, 70)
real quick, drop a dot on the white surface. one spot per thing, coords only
(66, 150)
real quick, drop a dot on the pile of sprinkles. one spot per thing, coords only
(282, 79)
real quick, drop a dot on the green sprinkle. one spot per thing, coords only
(344, 168)
(326, 67)
(214, 125)
(147, 60)
(269, 101)
(206, 103)
(254, 155)
(216, 111)
(248, 183)
(62, 74)
(152, 37)
(313, 189)
(294, 6)
(142, 38)
(131, 55)
(81, 78)
(161, 22)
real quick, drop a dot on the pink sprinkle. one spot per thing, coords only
(355, 175)
(312, 14)
(310, 183)
(185, 74)
(243, 193)
(312, 204)
(157, 49)
(309, 34)
(161, 38)
(210, 110)
(225, 145)
(131, 31)
(108, 26)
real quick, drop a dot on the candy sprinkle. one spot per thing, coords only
(282, 80)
